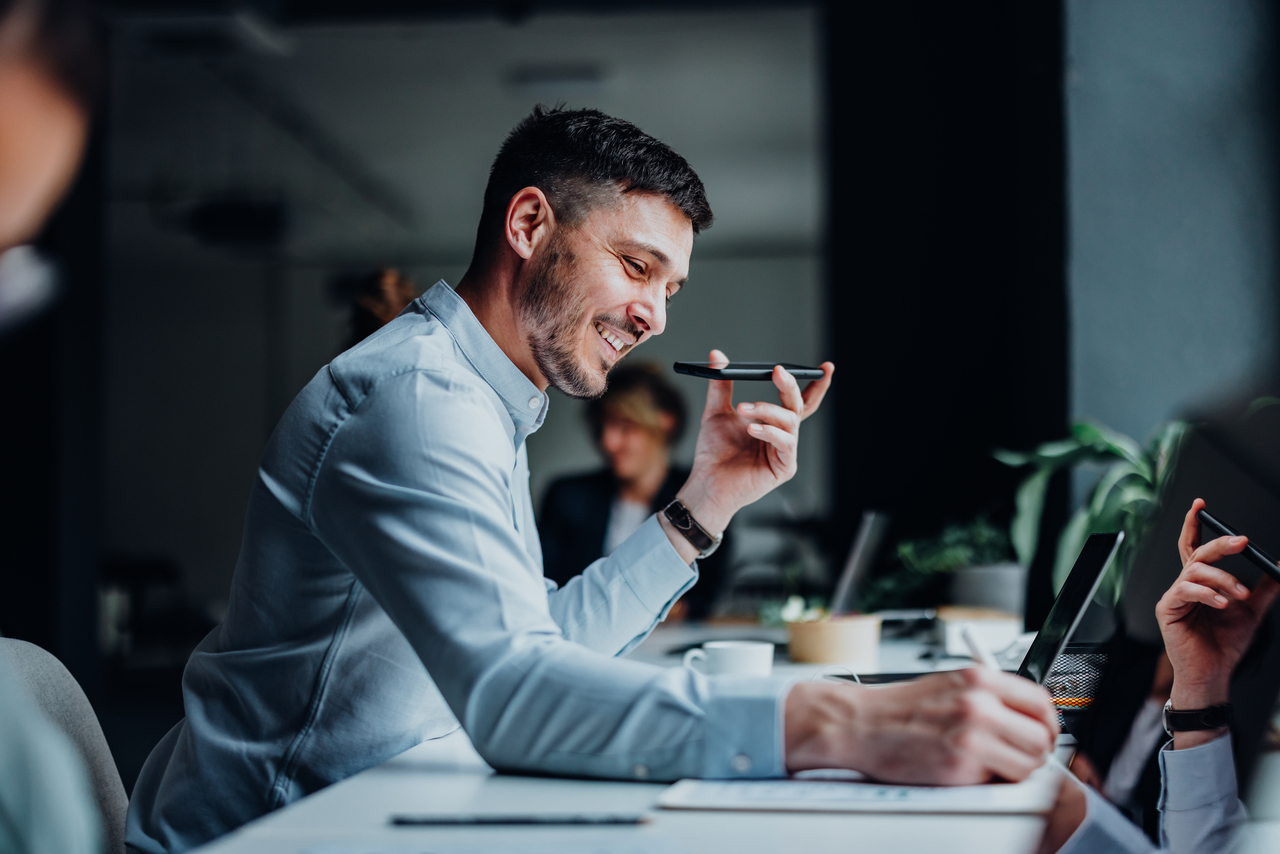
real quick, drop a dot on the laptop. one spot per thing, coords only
(1091, 566)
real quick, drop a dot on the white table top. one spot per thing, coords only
(446, 776)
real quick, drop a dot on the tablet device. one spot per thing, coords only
(1098, 553)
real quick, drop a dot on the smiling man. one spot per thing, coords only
(390, 587)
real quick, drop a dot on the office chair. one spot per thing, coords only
(59, 696)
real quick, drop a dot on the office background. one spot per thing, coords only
(994, 217)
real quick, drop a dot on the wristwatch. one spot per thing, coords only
(1192, 720)
(679, 516)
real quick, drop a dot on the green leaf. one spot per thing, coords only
(1070, 543)
(1024, 531)
(1106, 441)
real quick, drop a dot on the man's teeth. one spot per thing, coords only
(614, 341)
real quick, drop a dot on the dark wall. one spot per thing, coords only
(946, 247)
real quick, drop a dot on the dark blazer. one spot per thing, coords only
(575, 519)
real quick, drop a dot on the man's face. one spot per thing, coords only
(41, 134)
(595, 291)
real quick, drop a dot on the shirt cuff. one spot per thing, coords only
(744, 727)
(652, 567)
(1198, 776)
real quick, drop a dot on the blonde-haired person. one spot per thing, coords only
(635, 424)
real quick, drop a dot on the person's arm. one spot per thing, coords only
(1208, 620)
(419, 508)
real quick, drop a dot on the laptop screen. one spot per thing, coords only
(1098, 552)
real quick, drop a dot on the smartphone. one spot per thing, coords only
(745, 371)
(1256, 556)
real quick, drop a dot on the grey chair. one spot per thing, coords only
(58, 694)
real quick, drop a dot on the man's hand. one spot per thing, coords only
(745, 452)
(955, 728)
(1208, 619)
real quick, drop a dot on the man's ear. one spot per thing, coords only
(529, 221)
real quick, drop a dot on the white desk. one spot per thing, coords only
(448, 777)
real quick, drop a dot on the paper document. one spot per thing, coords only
(1036, 794)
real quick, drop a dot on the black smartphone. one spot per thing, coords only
(745, 371)
(1256, 556)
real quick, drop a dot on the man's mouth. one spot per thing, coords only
(610, 338)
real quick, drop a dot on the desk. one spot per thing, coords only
(447, 776)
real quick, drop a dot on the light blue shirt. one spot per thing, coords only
(390, 586)
(1200, 810)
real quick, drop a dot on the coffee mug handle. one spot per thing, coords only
(695, 654)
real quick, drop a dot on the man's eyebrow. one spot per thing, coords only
(658, 254)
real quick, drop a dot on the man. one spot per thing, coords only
(48, 72)
(584, 517)
(1207, 620)
(389, 587)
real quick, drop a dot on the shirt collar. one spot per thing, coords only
(526, 405)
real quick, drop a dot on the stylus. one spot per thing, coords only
(1255, 555)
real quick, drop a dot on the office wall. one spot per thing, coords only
(1172, 195)
(205, 346)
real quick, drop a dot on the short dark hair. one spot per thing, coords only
(641, 387)
(577, 157)
(63, 37)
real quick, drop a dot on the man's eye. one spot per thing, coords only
(636, 266)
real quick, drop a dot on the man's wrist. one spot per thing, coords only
(1187, 696)
(816, 722)
(704, 508)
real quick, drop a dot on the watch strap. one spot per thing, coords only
(1194, 720)
(682, 520)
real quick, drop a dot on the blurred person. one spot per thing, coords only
(635, 424)
(1207, 620)
(390, 590)
(373, 300)
(48, 73)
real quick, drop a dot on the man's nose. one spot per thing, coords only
(649, 314)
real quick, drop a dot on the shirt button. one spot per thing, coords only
(742, 763)
(535, 403)
(640, 771)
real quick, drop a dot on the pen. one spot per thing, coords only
(446, 820)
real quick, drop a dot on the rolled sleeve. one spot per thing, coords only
(614, 604)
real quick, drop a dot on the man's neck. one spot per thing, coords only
(490, 296)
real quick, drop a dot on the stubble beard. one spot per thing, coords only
(552, 310)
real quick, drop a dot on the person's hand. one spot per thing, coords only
(746, 451)
(1208, 620)
(955, 728)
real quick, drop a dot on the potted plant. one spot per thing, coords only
(1123, 499)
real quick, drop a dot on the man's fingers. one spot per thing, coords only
(770, 413)
(719, 392)
(1006, 761)
(1188, 592)
(816, 390)
(1021, 695)
(1215, 579)
(1025, 734)
(788, 390)
(1215, 550)
(1189, 539)
(781, 440)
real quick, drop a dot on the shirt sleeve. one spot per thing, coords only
(617, 600)
(1105, 830)
(414, 496)
(1200, 810)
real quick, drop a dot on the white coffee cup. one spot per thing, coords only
(741, 658)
